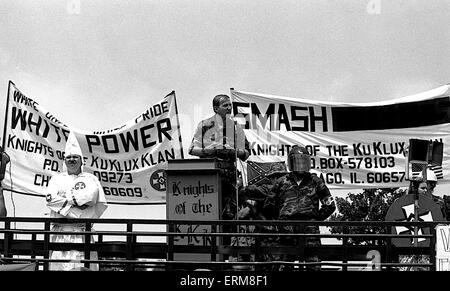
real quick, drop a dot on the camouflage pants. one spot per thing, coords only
(243, 241)
(288, 241)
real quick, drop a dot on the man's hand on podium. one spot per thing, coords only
(226, 154)
(209, 152)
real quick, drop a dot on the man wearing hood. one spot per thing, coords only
(73, 194)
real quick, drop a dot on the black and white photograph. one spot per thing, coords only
(225, 144)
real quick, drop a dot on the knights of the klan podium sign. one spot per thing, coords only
(193, 194)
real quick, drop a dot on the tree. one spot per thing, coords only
(370, 205)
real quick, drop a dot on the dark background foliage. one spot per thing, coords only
(369, 205)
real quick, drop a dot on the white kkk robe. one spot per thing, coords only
(74, 196)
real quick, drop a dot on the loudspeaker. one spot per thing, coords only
(437, 153)
(418, 151)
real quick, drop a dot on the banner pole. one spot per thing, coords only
(235, 159)
(6, 116)
(178, 123)
(236, 191)
(236, 176)
(416, 217)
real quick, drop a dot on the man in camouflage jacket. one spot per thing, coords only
(298, 195)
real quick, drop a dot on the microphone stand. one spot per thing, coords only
(236, 191)
(416, 216)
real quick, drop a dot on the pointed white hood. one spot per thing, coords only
(72, 146)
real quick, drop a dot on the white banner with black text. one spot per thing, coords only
(129, 160)
(352, 145)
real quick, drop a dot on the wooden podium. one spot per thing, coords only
(193, 193)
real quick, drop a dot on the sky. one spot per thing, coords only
(95, 64)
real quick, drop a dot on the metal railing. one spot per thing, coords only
(166, 245)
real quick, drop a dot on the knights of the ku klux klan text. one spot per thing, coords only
(352, 146)
(129, 160)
